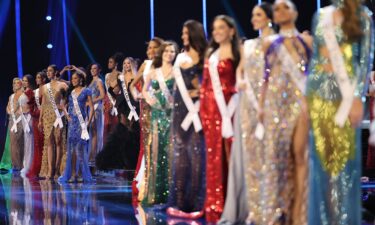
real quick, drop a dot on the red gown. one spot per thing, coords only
(38, 135)
(109, 120)
(217, 148)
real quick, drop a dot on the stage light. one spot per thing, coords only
(48, 18)
(49, 46)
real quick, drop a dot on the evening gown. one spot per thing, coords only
(77, 145)
(158, 177)
(38, 136)
(335, 152)
(187, 187)
(217, 147)
(16, 140)
(120, 150)
(244, 179)
(98, 121)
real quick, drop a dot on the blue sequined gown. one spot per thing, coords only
(76, 145)
(187, 187)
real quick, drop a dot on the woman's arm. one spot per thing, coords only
(151, 101)
(133, 88)
(101, 90)
(91, 106)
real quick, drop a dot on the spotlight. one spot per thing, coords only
(49, 46)
(48, 18)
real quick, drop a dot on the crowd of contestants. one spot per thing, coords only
(263, 131)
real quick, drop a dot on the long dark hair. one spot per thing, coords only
(267, 9)
(71, 87)
(31, 81)
(197, 38)
(158, 60)
(43, 74)
(89, 76)
(55, 69)
(352, 23)
(235, 42)
(118, 57)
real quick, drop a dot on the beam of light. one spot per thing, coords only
(18, 37)
(4, 12)
(152, 21)
(204, 15)
(80, 36)
(259, 2)
(318, 4)
(66, 37)
(231, 13)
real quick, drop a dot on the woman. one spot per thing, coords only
(52, 122)
(187, 188)
(122, 146)
(341, 64)
(35, 106)
(139, 185)
(284, 116)
(27, 100)
(15, 126)
(96, 86)
(217, 103)
(77, 168)
(110, 111)
(245, 166)
(161, 101)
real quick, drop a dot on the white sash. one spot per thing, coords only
(163, 86)
(25, 118)
(226, 111)
(249, 48)
(84, 133)
(37, 98)
(346, 86)
(58, 121)
(290, 67)
(147, 69)
(113, 102)
(193, 115)
(15, 120)
(132, 113)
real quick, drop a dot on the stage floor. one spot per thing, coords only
(107, 201)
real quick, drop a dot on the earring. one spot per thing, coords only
(270, 24)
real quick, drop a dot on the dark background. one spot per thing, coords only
(107, 27)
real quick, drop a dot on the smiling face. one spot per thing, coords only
(127, 65)
(185, 36)
(169, 54)
(76, 80)
(17, 84)
(25, 82)
(284, 12)
(152, 49)
(95, 71)
(222, 32)
(259, 19)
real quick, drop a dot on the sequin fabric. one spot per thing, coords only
(49, 118)
(335, 152)
(217, 148)
(158, 176)
(282, 108)
(252, 147)
(16, 139)
(187, 189)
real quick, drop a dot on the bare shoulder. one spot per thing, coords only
(267, 42)
(306, 37)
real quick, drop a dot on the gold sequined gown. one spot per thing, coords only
(49, 118)
(335, 153)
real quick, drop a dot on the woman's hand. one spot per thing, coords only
(356, 113)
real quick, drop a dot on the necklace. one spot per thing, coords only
(289, 33)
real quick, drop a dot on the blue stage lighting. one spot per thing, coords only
(48, 18)
(49, 46)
